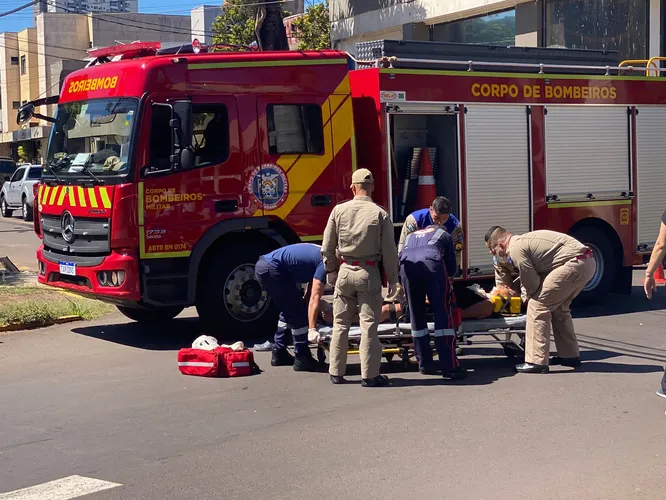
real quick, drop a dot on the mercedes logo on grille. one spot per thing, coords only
(67, 226)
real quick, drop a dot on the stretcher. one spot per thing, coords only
(396, 339)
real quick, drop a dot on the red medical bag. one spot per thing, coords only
(198, 362)
(236, 363)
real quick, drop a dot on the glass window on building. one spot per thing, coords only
(620, 25)
(498, 28)
(23, 65)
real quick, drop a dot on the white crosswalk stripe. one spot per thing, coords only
(60, 489)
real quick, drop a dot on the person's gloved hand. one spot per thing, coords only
(313, 336)
(331, 278)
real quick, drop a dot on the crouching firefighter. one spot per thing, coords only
(426, 261)
(281, 273)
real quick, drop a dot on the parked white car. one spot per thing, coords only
(17, 193)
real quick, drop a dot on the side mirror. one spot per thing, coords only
(25, 112)
(181, 123)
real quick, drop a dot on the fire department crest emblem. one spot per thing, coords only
(269, 186)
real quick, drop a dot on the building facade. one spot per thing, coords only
(633, 28)
(72, 6)
(35, 61)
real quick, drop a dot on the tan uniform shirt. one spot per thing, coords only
(410, 226)
(360, 230)
(537, 253)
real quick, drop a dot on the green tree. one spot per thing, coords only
(235, 26)
(313, 29)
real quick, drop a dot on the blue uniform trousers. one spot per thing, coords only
(427, 277)
(285, 292)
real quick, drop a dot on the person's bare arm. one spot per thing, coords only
(656, 258)
(316, 293)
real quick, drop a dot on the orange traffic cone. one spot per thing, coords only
(426, 191)
(659, 278)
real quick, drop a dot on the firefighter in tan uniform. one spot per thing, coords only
(362, 234)
(554, 268)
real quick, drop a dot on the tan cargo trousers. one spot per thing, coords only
(551, 306)
(357, 288)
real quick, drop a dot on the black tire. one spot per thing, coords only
(230, 301)
(27, 210)
(6, 212)
(154, 316)
(607, 263)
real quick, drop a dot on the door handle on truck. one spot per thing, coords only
(226, 206)
(321, 200)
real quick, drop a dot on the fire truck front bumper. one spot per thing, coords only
(113, 278)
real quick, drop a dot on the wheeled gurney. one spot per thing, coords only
(397, 338)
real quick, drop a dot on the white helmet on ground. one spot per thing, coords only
(205, 342)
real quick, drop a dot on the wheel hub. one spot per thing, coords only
(244, 298)
(599, 272)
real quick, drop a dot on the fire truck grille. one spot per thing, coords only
(88, 236)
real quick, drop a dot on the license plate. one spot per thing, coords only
(68, 268)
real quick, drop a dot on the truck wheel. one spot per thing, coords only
(4, 208)
(151, 316)
(27, 210)
(604, 254)
(230, 301)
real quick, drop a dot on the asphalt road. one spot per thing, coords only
(105, 401)
(19, 242)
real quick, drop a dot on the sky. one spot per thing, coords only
(23, 19)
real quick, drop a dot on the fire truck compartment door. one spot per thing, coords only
(650, 140)
(587, 151)
(497, 174)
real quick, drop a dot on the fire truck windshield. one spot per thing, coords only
(92, 139)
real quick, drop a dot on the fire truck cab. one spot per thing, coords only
(171, 170)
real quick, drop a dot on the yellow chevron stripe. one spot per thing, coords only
(70, 194)
(82, 196)
(61, 197)
(93, 197)
(54, 192)
(40, 193)
(106, 202)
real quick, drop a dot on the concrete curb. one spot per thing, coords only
(40, 324)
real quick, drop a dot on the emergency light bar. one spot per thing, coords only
(126, 50)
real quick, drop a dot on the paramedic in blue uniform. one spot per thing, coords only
(438, 213)
(426, 261)
(281, 273)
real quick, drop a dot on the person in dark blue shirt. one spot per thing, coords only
(438, 213)
(426, 261)
(281, 273)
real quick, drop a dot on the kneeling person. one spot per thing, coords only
(426, 261)
(281, 273)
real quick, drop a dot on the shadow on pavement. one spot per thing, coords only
(624, 304)
(171, 336)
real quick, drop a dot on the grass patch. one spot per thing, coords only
(35, 306)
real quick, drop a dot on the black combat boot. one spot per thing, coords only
(282, 357)
(378, 381)
(305, 362)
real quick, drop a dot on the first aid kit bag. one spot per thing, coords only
(236, 363)
(199, 362)
(218, 362)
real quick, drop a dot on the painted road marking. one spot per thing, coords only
(61, 489)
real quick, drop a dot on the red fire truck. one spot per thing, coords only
(170, 171)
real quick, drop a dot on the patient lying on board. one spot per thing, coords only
(472, 305)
